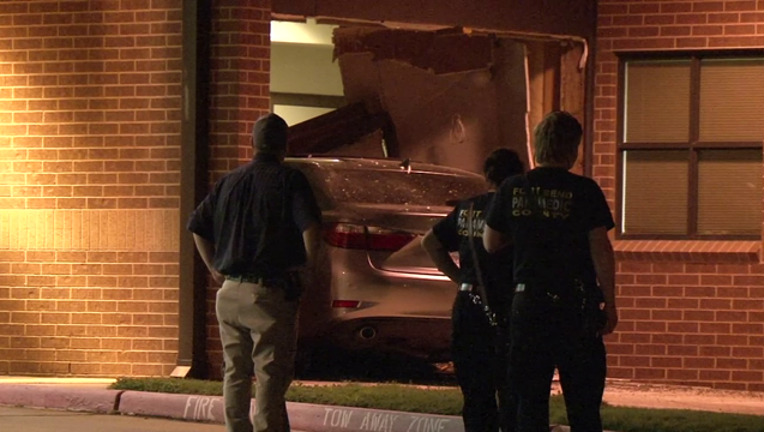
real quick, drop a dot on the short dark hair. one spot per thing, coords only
(556, 138)
(501, 164)
(269, 135)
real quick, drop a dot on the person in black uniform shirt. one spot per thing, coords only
(564, 271)
(258, 233)
(478, 348)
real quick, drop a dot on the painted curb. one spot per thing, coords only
(55, 397)
(176, 406)
(322, 418)
(209, 409)
(302, 416)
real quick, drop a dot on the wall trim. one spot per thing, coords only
(688, 251)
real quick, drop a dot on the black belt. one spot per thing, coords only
(245, 279)
(258, 279)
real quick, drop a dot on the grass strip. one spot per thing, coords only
(448, 401)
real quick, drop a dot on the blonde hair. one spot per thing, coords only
(556, 139)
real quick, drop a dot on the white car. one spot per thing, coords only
(377, 288)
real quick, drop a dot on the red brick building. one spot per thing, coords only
(677, 147)
(116, 114)
(91, 112)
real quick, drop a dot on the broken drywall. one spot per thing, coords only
(455, 117)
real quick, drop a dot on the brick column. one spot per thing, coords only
(240, 79)
(240, 68)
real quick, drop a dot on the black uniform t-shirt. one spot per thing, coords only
(453, 234)
(550, 239)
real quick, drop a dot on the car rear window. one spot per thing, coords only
(335, 184)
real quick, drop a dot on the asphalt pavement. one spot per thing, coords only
(40, 420)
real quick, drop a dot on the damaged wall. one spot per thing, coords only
(453, 98)
(557, 17)
(548, 28)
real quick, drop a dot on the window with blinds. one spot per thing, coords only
(729, 191)
(731, 101)
(657, 185)
(658, 102)
(690, 147)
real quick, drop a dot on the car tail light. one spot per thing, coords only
(345, 303)
(346, 236)
(351, 236)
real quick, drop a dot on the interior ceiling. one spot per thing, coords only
(303, 31)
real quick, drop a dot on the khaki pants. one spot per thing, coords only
(258, 331)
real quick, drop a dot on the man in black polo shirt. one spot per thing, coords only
(564, 271)
(258, 233)
(477, 346)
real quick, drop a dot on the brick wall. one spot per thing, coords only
(89, 177)
(239, 95)
(691, 313)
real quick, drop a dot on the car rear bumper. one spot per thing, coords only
(425, 337)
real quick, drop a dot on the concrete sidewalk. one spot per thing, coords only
(640, 395)
(92, 395)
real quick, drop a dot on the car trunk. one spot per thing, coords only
(408, 222)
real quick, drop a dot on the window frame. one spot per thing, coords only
(693, 145)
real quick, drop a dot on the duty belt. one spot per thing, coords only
(473, 292)
(475, 298)
(521, 287)
(466, 287)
